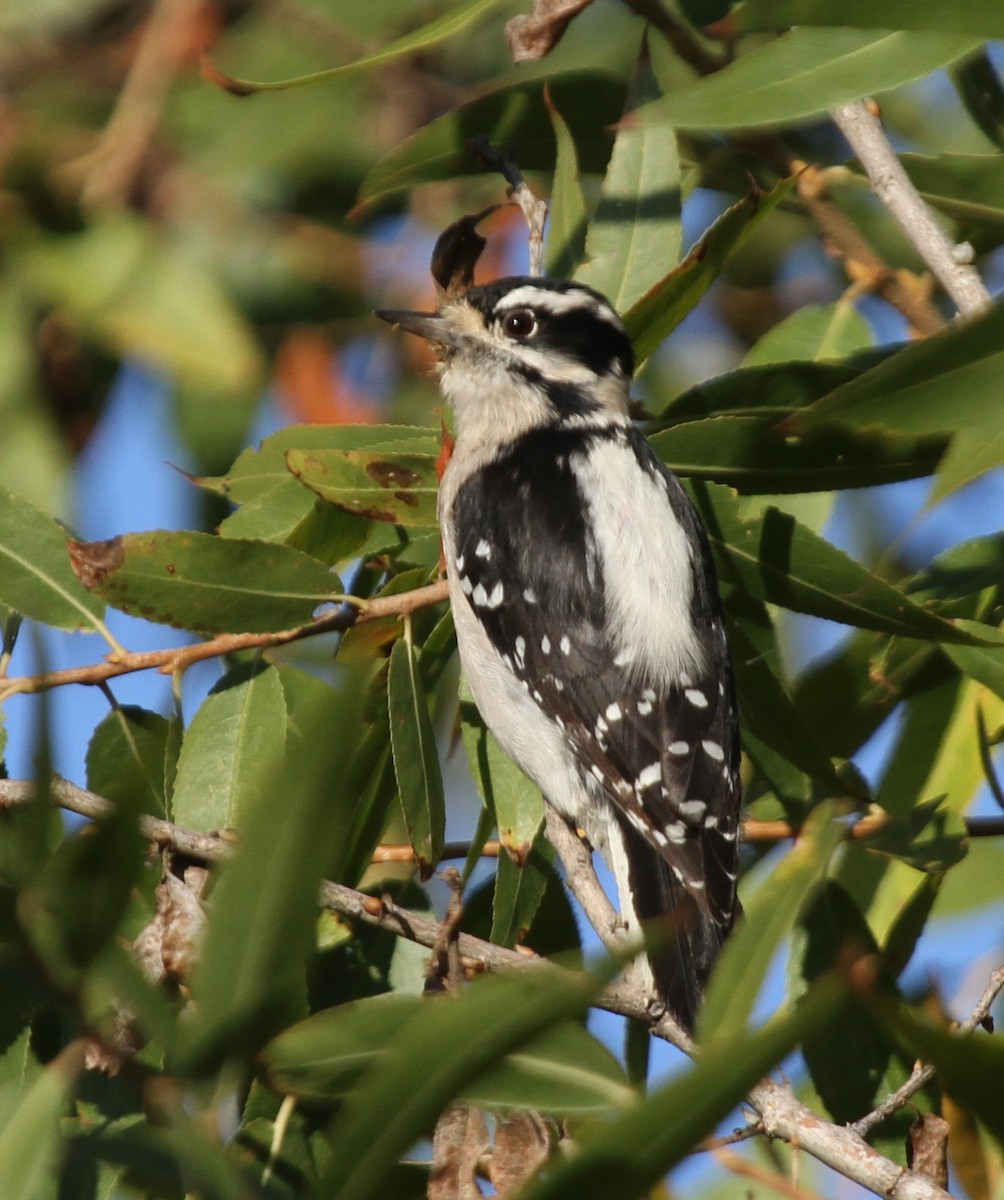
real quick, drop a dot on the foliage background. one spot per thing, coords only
(184, 271)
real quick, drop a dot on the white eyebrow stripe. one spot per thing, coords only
(531, 296)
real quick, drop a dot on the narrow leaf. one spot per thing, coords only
(982, 18)
(452, 22)
(805, 72)
(416, 759)
(769, 917)
(36, 578)
(634, 235)
(629, 1155)
(566, 217)
(519, 890)
(29, 1142)
(210, 584)
(653, 316)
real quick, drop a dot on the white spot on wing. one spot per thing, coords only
(679, 747)
(465, 585)
(545, 644)
(696, 697)
(483, 550)
(648, 776)
(714, 750)
(644, 707)
(613, 712)
(565, 645)
(693, 808)
(529, 596)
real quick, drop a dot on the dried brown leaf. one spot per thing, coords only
(535, 34)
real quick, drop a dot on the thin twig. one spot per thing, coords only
(922, 1074)
(739, 1165)
(533, 208)
(950, 263)
(172, 660)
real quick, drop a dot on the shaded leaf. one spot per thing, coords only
(515, 800)
(452, 22)
(416, 758)
(963, 569)
(36, 578)
(783, 562)
(210, 584)
(629, 1155)
(326, 1057)
(514, 115)
(980, 89)
(127, 759)
(930, 837)
(400, 488)
(143, 296)
(519, 891)
(442, 1052)
(807, 71)
(238, 732)
(814, 333)
(982, 18)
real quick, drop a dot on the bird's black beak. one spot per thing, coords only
(434, 327)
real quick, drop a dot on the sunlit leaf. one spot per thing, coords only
(399, 488)
(416, 759)
(36, 578)
(805, 72)
(566, 215)
(656, 314)
(210, 584)
(29, 1141)
(238, 732)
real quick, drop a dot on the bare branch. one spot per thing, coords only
(170, 661)
(923, 1074)
(950, 263)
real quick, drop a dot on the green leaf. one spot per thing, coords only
(815, 333)
(931, 837)
(752, 454)
(73, 907)
(981, 18)
(210, 584)
(452, 22)
(566, 216)
(783, 562)
(400, 488)
(979, 87)
(944, 384)
(416, 759)
(964, 569)
(770, 915)
(805, 72)
(258, 470)
(36, 578)
(250, 981)
(562, 1071)
(634, 236)
(653, 316)
(140, 295)
(514, 115)
(985, 664)
(629, 1155)
(29, 1142)
(237, 733)
(127, 759)
(514, 799)
(519, 891)
(450, 1044)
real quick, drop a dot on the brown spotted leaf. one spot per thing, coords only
(400, 488)
(534, 35)
(209, 584)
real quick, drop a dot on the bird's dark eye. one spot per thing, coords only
(520, 323)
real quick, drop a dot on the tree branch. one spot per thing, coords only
(951, 264)
(169, 661)
(782, 1115)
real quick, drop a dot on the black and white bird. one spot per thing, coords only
(586, 607)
